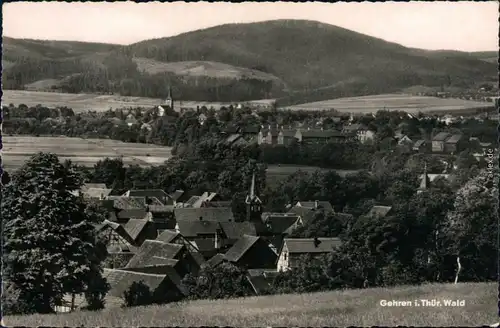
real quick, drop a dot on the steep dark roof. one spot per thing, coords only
(454, 138)
(441, 136)
(152, 248)
(161, 208)
(158, 260)
(168, 236)
(169, 271)
(192, 229)
(205, 244)
(312, 204)
(126, 203)
(419, 143)
(279, 223)
(260, 283)
(134, 227)
(236, 230)
(215, 260)
(192, 200)
(176, 194)
(120, 280)
(307, 245)
(379, 211)
(235, 253)
(218, 214)
(157, 193)
(306, 213)
(355, 127)
(132, 214)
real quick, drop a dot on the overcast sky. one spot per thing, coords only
(465, 26)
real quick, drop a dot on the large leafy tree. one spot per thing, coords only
(50, 245)
(471, 229)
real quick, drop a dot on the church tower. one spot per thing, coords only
(425, 181)
(169, 101)
(253, 204)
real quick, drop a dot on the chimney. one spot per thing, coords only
(316, 204)
(316, 242)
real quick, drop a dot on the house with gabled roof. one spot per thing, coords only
(286, 136)
(164, 287)
(316, 204)
(439, 140)
(294, 249)
(379, 211)
(419, 145)
(162, 196)
(321, 136)
(268, 135)
(139, 230)
(215, 260)
(454, 143)
(217, 214)
(261, 280)
(281, 223)
(123, 216)
(174, 237)
(362, 132)
(116, 237)
(151, 248)
(251, 252)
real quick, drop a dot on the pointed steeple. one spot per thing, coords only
(169, 96)
(425, 181)
(252, 187)
(253, 203)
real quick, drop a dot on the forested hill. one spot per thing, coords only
(295, 60)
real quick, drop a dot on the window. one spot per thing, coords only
(285, 256)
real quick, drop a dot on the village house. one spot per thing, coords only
(453, 144)
(438, 141)
(419, 146)
(251, 252)
(268, 135)
(286, 136)
(150, 195)
(311, 136)
(114, 235)
(379, 211)
(404, 140)
(294, 249)
(362, 132)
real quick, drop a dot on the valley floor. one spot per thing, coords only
(336, 308)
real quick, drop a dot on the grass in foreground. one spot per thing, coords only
(337, 308)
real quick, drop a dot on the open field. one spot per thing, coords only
(87, 152)
(277, 173)
(83, 102)
(336, 308)
(404, 102)
(199, 68)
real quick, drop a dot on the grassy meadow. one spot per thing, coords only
(336, 308)
(87, 152)
(404, 102)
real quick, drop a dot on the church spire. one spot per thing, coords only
(252, 187)
(424, 183)
(253, 203)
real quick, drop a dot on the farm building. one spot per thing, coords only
(320, 136)
(453, 144)
(286, 137)
(419, 145)
(295, 248)
(362, 132)
(251, 252)
(439, 140)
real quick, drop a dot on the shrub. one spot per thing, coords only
(137, 294)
